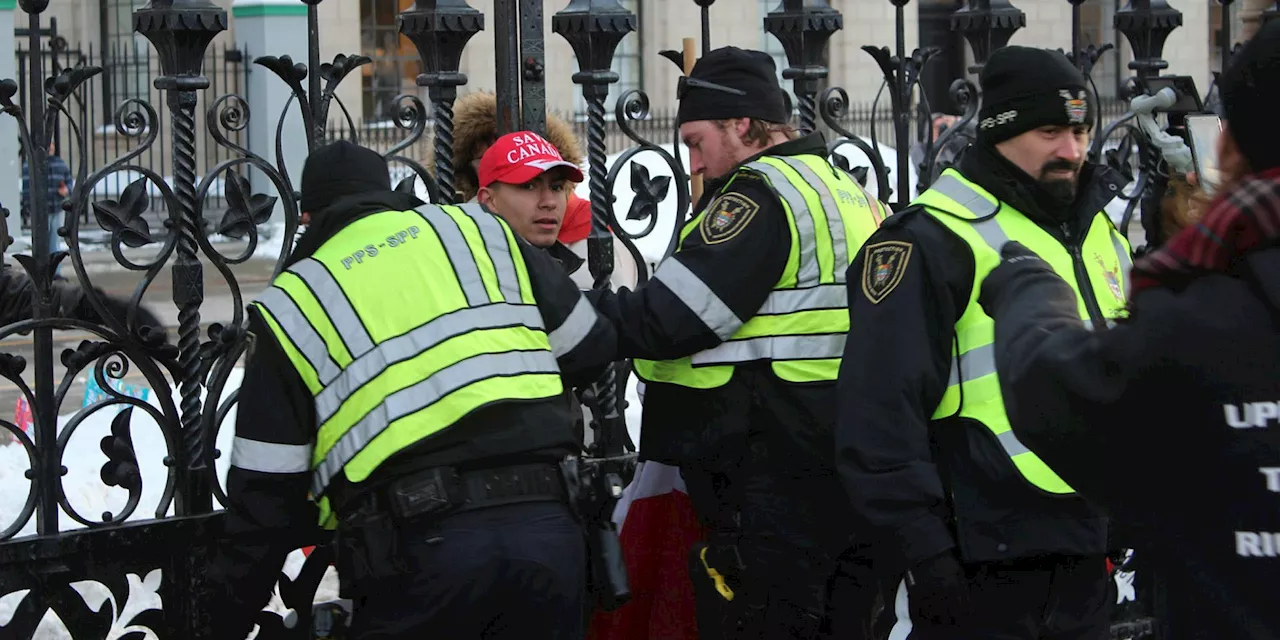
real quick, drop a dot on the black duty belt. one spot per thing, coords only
(444, 490)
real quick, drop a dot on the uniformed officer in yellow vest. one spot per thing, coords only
(406, 389)
(993, 543)
(738, 340)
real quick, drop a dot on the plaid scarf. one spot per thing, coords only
(1238, 221)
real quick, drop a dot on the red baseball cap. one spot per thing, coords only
(519, 157)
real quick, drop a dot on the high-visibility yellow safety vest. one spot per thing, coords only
(402, 324)
(800, 329)
(1101, 263)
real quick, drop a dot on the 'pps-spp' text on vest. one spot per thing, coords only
(403, 323)
(1102, 265)
(800, 329)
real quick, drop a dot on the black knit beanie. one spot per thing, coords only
(1025, 88)
(1250, 90)
(751, 80)
(339, 169)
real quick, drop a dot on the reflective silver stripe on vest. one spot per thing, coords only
(824, 296)
(699, 297)
(964, 195)
(459, 253)
(775, 348)
(495, 241)
(973, 364)
(269, 457)
(412, 344)
(336, 305)
(574, 329)
(1126, 261)
(1011, 444)
(422, 395)
(806, 237)
(834, 221)
(301, 333)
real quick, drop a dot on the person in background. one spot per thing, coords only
(59, 180)
(1182, 395)
(475, 120)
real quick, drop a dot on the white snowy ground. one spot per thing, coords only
(86, 493)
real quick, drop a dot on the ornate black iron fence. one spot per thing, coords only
(149, 567)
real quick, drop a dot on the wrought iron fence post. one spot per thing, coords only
(804, 27)
(594, 28)
(319, 113)
(180, 31)
(1147, 24)
(440, 30)
(987, 25)
(44, 413)
(1226, 32)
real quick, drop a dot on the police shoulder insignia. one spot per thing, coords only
(726, 217)
(883, 269)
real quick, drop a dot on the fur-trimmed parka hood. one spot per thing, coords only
(475, 117)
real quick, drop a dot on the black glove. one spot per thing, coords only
(938, 590)
(1016, 262)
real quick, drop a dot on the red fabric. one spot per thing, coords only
(656, 536)
(1238, 221)
(519, 157)
(577, 220)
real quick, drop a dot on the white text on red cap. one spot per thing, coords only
(529, 146)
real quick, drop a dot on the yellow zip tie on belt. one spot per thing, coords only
(718, 579)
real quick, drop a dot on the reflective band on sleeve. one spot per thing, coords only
(700, 299)
(269, 457)
(992, 234)
(495, 243)
(411, 344)
(965, 196)
(336, 305)
(973, 364)
(575, 328)
(300, 333)
(464, 263)
(422, 395)
(806, 237)
(1011, 444)
(814, 347)
(834, 222)
(1126, 261)
(826, 296)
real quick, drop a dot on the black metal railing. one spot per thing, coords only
(181, 142)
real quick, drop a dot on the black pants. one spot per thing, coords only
(516, 571)
(1049, 598)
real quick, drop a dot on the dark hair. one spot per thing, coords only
(1249, 88)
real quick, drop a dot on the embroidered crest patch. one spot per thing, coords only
(1077, 107)
(726, 217)
(883, 269)
(1112, 277)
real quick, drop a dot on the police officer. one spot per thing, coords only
(1183, 394)
(738, 338)
(407, 379)
(994, 544)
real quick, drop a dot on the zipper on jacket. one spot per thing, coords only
(1083, 282)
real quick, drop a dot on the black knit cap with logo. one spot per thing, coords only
(1250, 90)
(752, 74)
(1025, 88)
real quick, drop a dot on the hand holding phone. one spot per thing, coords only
(1204, 131)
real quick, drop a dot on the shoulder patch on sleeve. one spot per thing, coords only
(726, 217)
(882, 271)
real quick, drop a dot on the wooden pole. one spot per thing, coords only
(691, 56)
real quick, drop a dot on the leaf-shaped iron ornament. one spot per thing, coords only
(245, 209)
(649, 192)
(121, 468)
(123, 217)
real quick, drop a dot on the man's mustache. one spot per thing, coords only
(1059, 165)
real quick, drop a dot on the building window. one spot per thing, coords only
(771, 45)
(395, 65)
(127, 55)
(627, 63)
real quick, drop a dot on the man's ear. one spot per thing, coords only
(485, 197)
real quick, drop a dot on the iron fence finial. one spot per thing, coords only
(803, 28)
(987, 25)
(1146, 24)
